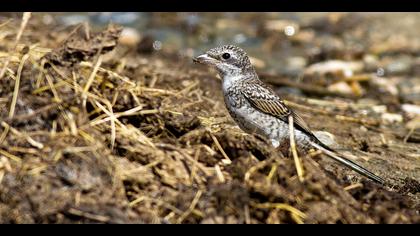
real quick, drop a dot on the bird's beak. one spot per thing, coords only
(205, 59)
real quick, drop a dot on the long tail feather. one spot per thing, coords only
(331, 153)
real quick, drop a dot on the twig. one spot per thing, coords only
(188, 157)
(4, 134)
(69, 117)
(219, 173)
(410, 132)
(27, 137)
(93, 74)
(35, 113)
(247, 215)
(255, 168)
(353, 186)
(113, 129)
(113, 119)
(272, 172)
(52, 87)
(132, 112)
(25, 19)
(194, 165)
(109, 72)
(158, 202)
(191, 208)
(10, 156)
(17, 84)
(40, 77)
(5, 23)
(89, 216)
(298, 164)
(296, 214)
(227, 159)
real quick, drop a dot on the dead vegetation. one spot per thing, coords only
(93, 132)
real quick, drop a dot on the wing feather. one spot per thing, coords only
(266, 100)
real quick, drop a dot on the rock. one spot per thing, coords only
(327, 138)
(371, 62)
(73, 19)
(363, 128)
(390, 118)
(296, 63)
(327, 48)
(129, 37)
(48, 19)
(287, 27)
(336, 23)
(413, 124)
(340, 87)
(410, 91)
(416, 67)
(379, 109)
(258, 63)
(223, 24)
(399, 66)
(304, 36)
(386, 84)
(411, 110)
(335, 67)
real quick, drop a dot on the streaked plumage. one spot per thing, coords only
(256, 108)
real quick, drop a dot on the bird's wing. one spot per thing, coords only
(266, 100)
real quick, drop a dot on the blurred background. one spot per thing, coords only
(372, 56)
(363, 55)
(283, 43)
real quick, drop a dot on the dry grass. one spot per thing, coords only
(298, 163)
(101, 141)
(25, 18)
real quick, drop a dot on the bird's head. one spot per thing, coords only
(229, 60)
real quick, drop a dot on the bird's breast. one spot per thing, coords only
(230, 81)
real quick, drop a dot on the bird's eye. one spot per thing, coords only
(226, 56)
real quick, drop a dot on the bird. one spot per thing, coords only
(257, 109)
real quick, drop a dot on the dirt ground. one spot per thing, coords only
(95, 131)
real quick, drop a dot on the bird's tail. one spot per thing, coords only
(345, 161)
